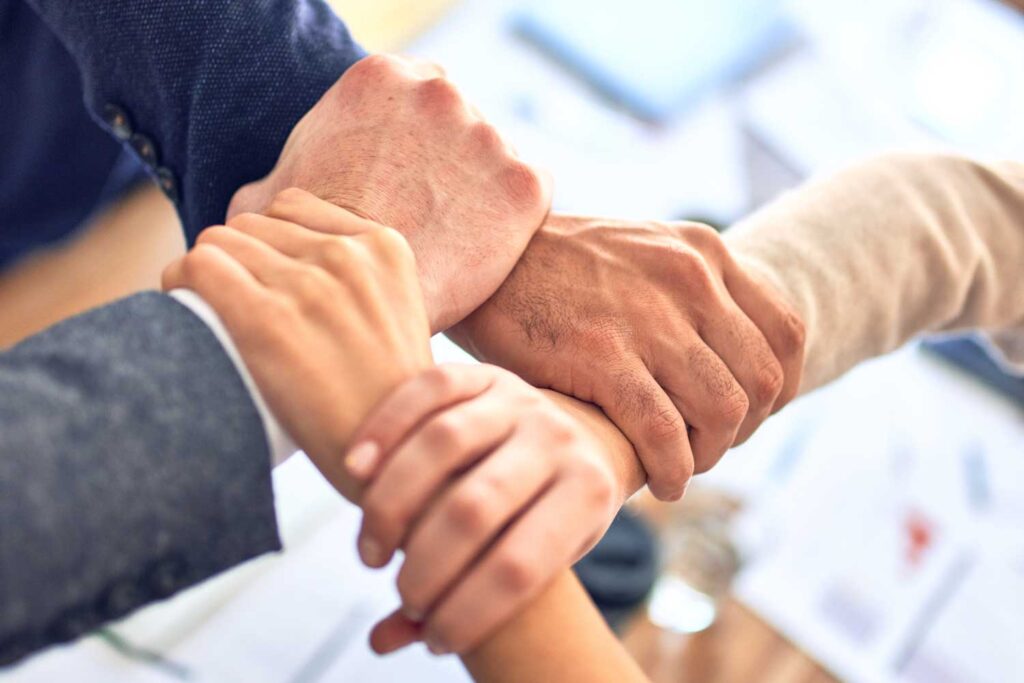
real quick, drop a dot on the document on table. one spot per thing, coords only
(893, 551)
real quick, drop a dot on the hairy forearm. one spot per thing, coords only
(889, 249)
(560, 637)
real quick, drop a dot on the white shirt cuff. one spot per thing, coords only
(280, 444)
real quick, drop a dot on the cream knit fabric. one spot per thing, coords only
(891, 248)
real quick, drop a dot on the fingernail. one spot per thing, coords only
(412, 614)
(362, 459)
(371, 551)
(435, 645)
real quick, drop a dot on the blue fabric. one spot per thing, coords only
(217, 85)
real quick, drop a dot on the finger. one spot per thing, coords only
(414, 401)
(748, 356)
(269, 266)
(514, 571)
(450, 441)
(309, 211)
(285, 236)
(460, 527)
(638, 405)
(714, 403)
(394, 632)
(222, 282)
(778, 322)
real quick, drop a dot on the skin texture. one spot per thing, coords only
(394, 141)
(316, 297)
(491, 489)
(339, 315)
(534, 646)
(655, 323)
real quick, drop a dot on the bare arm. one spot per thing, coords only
(560, 637)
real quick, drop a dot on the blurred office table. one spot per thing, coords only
(738, 648)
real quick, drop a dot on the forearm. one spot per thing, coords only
(889, 249)
(560, 637)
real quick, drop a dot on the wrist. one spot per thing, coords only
(630, 475)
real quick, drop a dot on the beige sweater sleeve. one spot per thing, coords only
(891, 248)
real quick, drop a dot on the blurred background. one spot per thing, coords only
(874, 531)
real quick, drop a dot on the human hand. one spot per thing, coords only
(394, 141)
(327, 324)
(656, 324)
(489, 487)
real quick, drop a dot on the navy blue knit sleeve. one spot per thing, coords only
(204, 91)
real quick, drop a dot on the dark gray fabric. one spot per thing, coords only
(132, 464)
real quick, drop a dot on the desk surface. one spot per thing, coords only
(738, 648)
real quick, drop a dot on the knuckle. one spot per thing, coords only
(523, 185)
(213, 235)
(704, 238)
(560, 431)
(198, 258)
(665, 425)
(441, 94)
(732, 408)
(692, 267)
(374, 64)
(486, 137)
(468, 510)
(768, 384)
(336, 254)
(445, 433)
(514, 574)
(312, 288)
(288, 199)
(411, 591)
(600, 485)
(391, 245)
(441, 379)
(245, 221)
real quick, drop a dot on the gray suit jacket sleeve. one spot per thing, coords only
(132, 464)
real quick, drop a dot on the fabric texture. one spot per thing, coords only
(280, 444)
(207, 90)
(56, 165)
(893, 247)
(132, 465)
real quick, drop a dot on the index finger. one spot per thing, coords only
(319, 215)
(406, 407)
